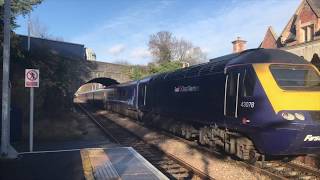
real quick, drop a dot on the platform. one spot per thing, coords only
(92, 163)
(117, 163)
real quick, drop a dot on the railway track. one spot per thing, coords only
(290, 170)
(176, 168)
(168, 164)
(274, 169)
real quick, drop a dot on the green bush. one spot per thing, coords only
(138, 72)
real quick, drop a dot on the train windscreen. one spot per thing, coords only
(296, 77)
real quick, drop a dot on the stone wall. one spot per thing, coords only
(117, 72)
(307, 50)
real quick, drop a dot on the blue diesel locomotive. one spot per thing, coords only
(253, 103)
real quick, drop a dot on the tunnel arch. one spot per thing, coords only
(104, 81)
(91, 85)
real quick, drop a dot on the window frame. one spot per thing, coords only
(294, 88)
(248, 72)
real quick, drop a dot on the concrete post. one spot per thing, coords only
(6, 150)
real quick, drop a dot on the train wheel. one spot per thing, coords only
(187, 134)
(201, 137)
(288, 159)
(253, 156)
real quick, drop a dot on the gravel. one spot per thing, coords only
(204, 161)
(69, 127)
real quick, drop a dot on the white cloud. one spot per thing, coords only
(140, 53)
(212, 31)
(116, 49)
(248, 19)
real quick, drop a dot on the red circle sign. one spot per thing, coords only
(32, 75)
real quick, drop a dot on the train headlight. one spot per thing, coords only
(288, 116)
(299, 116)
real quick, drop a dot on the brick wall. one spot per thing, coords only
(306, 17)
(307, 14)
(239, 45)
(269, 41)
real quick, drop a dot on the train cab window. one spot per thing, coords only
(296, 77)
(249, 81)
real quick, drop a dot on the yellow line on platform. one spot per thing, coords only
(86, 165)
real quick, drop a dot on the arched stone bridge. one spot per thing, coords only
(83, 69)
(104, 74)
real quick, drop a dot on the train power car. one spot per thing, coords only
(253, 103)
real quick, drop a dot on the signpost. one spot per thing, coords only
(31, 81)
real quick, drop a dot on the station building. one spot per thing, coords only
(301, 35)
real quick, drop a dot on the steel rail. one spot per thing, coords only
(188, 167)
(262, 170)
(98, 124)
(304, 168)
(217, 153)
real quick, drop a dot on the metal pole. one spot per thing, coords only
(9, 112)
(29, 27)
(5, 82)
(31, 119)
(31, 95)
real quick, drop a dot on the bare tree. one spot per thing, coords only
(122, 62)
(165, 47)
(37, 29)
(58, 38)
(160, 46)
(180, 49)
(195, 56)
(41, 30)
(185, 51)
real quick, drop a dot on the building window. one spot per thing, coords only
(316, 60)
(308, 32)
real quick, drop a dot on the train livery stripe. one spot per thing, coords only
(284, 99)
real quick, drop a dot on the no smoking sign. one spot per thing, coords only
(31, 78)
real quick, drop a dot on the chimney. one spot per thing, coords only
(239, 45)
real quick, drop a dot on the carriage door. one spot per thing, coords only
(142, 94)
(231, 96)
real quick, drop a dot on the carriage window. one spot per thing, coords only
(249, 81)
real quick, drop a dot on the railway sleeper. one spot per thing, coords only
(163, 162)
(175, 170)
(171, 166)
(168, 163)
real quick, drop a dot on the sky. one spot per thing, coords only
(119, 30)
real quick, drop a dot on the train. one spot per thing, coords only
(254, 104)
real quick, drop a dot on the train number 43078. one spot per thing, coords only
(247, 104)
